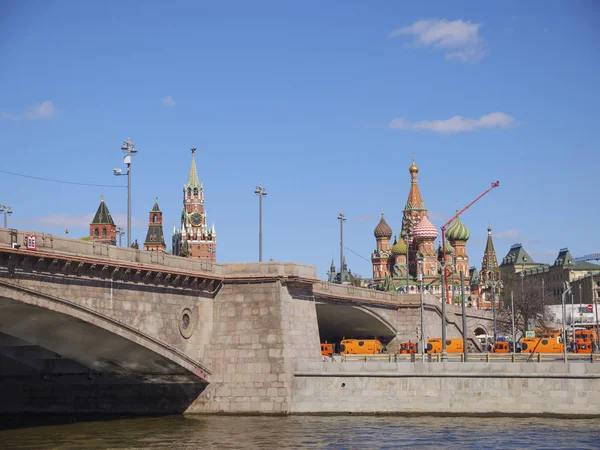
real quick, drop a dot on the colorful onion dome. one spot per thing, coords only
(382, 230)
(413, 167)
(457, 231)
(425, 230)
(399, 248)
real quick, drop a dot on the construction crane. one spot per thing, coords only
(494, 185)
(590, 257)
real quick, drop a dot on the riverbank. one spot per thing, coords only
(472, 388)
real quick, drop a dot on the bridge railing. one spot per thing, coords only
(472, 357)
(102, 251)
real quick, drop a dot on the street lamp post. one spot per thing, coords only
(341, 218)
(493, 285)
(596, 311)
(130, 151)
(580, 283)
(407, 240)
(420, 268)
(120, 233)
(543, 300)
(261, 192)
(525, 319)
(564, 328)
(443, 278)
(7, 212)
(464, 315)
(512, 319)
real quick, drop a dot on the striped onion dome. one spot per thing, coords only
(425, 230)
(383, 230)
(399, 248)
(457, 231)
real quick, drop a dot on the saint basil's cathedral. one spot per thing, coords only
(397, 266)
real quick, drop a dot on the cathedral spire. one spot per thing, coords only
(490, 262)
(414, 200)
(193, 181)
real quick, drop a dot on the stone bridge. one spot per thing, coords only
(88, 327)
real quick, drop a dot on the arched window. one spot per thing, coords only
(189, 192)
(154, 218)
(96, 233)
(104, 232)
(195, 191)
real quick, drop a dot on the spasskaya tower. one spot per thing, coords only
(194, 239)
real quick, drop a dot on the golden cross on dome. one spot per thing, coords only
(101, 197)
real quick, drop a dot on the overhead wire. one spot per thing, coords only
(62, 181)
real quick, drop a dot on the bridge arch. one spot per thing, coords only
(352, 322)
(90, 338)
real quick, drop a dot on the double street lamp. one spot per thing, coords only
(261, 192)
(129, 150)
(7, 212)
(120, 232)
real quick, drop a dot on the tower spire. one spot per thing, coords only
(490, 262)
(193, 181)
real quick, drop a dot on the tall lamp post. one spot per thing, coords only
(130, 151)
(407, 240)
(7, 212)
(493, 284)
(120, 232)
(564, 311)
(443, 279)
(341, 218)
(261, 192)
(420, 269)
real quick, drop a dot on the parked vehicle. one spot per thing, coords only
(547, 344)
(360, 346)
(434, 345)
(504, 346)
(407, 348)
(326, 349)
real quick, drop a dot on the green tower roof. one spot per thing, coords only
(102, 216)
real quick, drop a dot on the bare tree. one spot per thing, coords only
(528, 303)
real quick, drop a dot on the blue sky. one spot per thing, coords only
(324, 103)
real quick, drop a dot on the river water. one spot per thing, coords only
(325, 432)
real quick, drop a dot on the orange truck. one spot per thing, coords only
(584, 341)
(326, 349)
(407, 348)
(501, 347)
(360, 346)
(548, 343)
(434, 345)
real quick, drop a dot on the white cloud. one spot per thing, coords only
(456, 124)
(168, 101)
(45, 110)
(462, 37)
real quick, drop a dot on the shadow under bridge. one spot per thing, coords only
(60, 357)
(337, 322)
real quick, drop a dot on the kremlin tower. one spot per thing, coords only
(194, 238)
(155, 240)
(102, 227)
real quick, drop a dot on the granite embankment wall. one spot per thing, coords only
(570, 389)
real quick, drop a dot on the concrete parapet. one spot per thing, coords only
(448, 388)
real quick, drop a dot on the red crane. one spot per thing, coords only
(494, 185)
